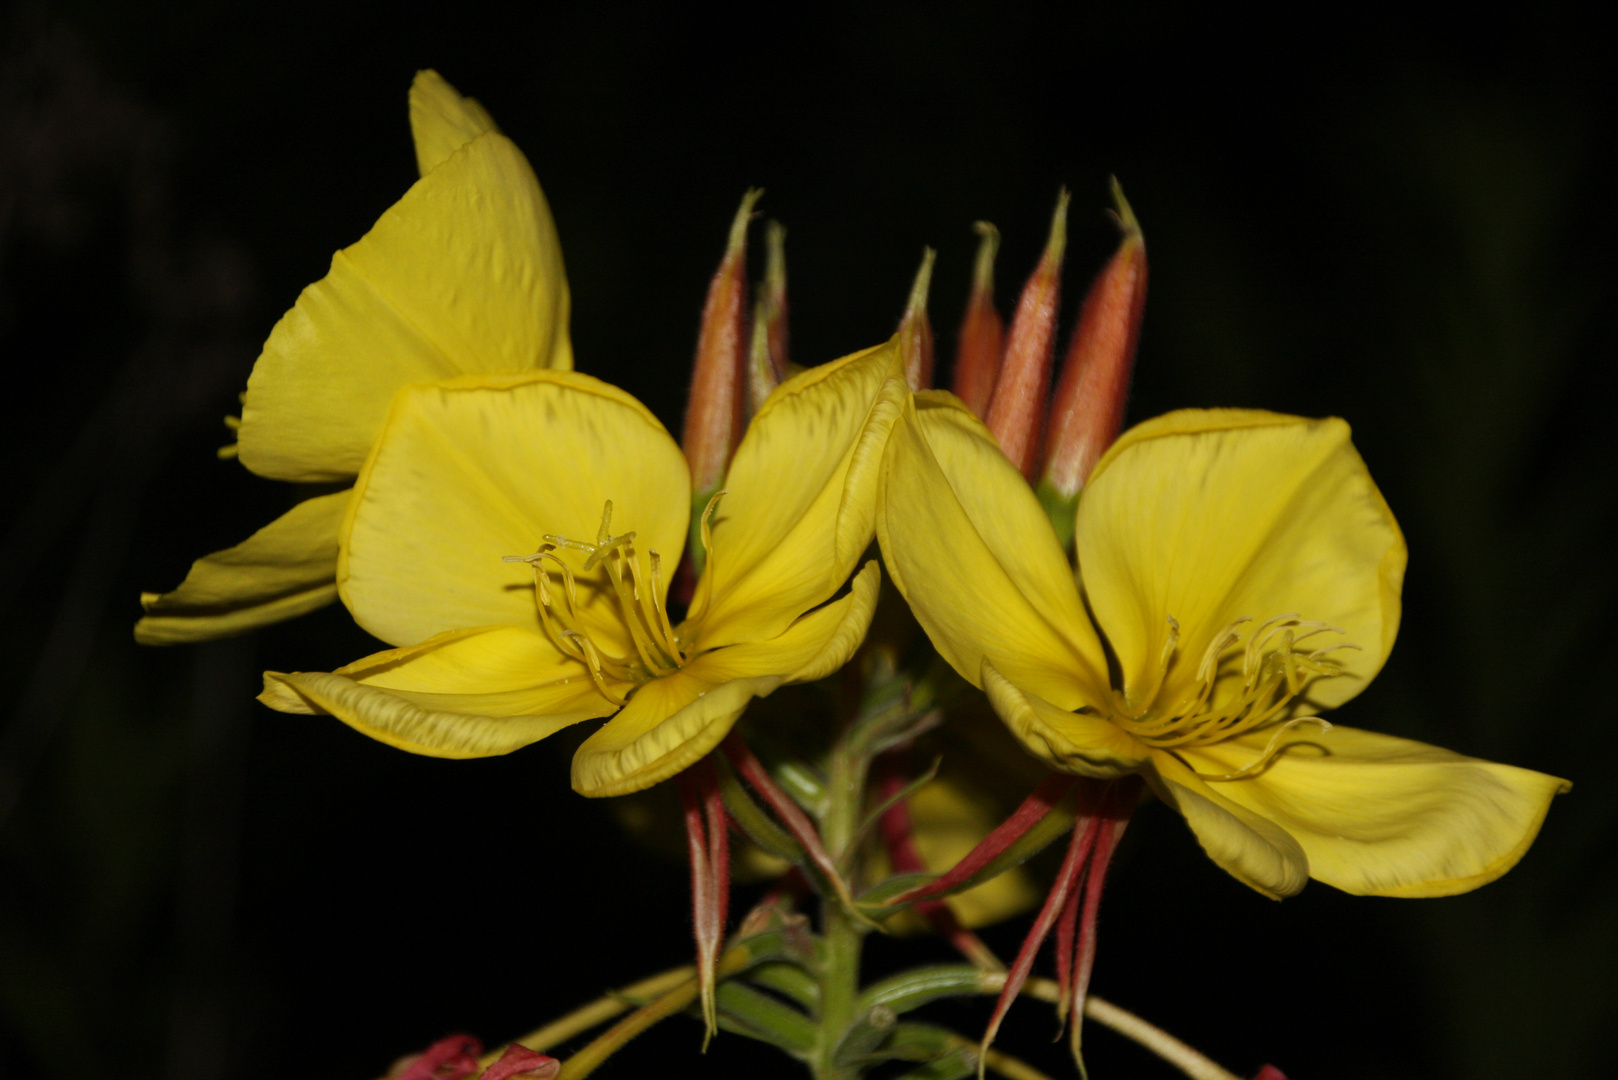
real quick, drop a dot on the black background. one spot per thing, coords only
(1402, 219)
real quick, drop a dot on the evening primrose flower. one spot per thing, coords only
(515, 536)
(1239, 573)
(462, 275)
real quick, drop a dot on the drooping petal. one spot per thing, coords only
(461, 275)
(468, 471)
(441, 120)
(1251, 848)
(675, 720)
(800, 498)
(285, 569)
(1071, 742)
(1208, 516)
(466, 693)
(971, 550)
(1384, 816)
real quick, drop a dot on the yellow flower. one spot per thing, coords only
(1239, 573)
(462, 275)
(500, 647)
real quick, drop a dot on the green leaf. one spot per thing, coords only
(912, 989)
(757, 1015)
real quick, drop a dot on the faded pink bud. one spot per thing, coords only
(713, 412)
(1270, 1072)
(983, 332)
(1089, 405)
(1017, 408)
(452, 1058)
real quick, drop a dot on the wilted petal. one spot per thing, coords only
(285, 569)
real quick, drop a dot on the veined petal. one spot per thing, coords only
(1384, 816)
(285, 569)
(468, 471)
(1071, 742)
(800, 498)
(965, 540)
(673, 721)
(441, 120)
(1251, 848)
(467, 693)
(461, 275)
(1209, 516)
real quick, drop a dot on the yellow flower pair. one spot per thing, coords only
(514, 527)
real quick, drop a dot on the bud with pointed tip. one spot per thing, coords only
(1088, 408)
(916, 330)
(1017, 408)
(983, 332)
(713, 412)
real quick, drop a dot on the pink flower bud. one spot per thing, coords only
(916, 331)
(983, 332)
(1089, 405)
(1017, 408)
(713, 412)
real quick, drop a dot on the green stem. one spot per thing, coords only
(843, 936)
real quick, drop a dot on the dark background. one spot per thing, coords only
(1406, 221)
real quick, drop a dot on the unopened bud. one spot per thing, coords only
(713, 412)
(916, 330)
(520, 1063)
(1270, 1072)
(983, 332)
(1017, 408)
(1089, 405)
(761, 377)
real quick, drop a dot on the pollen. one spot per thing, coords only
(609, 565)
(1242, 682)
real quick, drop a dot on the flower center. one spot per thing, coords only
(636, 592)
(1237, 687)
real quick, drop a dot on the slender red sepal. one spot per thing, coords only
(708, 883)
(1270, 1072)
(718, 822)
(1067, 880)
(898, 838)
(1050, 791)
(521, 1063)
(790, 813)
(983, 332)
(452, 1058)
(1066, 927)
(1088, 408)
(1021, 392)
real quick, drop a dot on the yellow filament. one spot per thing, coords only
(1270, 750)
(656, 646)
(1273, 671)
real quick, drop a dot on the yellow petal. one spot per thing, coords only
(673, 721)
(1383, 816)
(1208, 516)
(469, 471)
(1251, 848)
(441, 120)
(1079, 743)
(467, 693)
(965, 540)
(285, 569)
(800, 499)
(462, 275)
